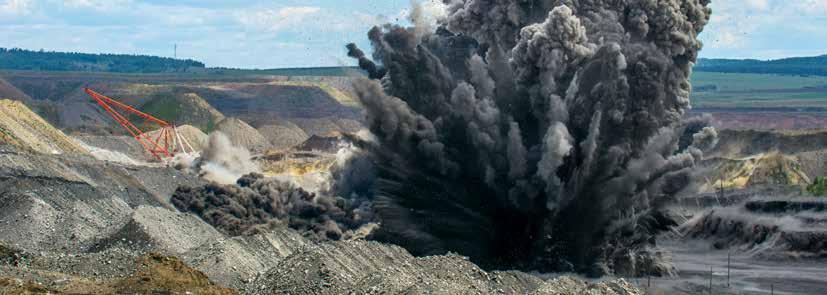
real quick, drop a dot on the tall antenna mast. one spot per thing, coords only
(176, 51)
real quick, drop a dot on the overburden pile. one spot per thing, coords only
(534, 134)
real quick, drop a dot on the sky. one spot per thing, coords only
(306, 33)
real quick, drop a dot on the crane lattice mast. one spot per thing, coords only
(164, 146)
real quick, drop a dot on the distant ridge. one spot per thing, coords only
(30, 60)
(802, 66)
(21, 59)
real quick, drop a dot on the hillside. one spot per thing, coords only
(24, 129)
(30, 60)
(183, 108)
(744, 158)
(804, 66)
(21, 59)
(307, 101)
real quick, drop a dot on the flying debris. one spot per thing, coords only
(539, 135)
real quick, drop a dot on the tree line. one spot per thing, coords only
(799, 66)
(22, 59)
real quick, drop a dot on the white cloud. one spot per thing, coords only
(275, 20)
(815, 7)
(98, 5)
(17, 7)
(758, 4)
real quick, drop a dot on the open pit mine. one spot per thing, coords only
(503, 147)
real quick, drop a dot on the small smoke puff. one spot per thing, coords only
(224, 163)
(184, 161)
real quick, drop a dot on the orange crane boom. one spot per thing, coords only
(162, 147)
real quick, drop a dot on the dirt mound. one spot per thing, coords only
(327, 126)
(159, 274)
(21, 127)
(283, 136)
(236, 261)
(147, 274)
(162, 230)
(328, 144)
(762, 169)
(183, 108)
(67, 202)
(242, 134)
(265, 103)
(9, 91)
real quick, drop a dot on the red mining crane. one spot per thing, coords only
(165, 145)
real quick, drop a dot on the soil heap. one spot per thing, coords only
(242, 134)
(21, 127)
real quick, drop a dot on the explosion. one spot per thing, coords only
(539, 135)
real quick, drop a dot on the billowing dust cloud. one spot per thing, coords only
(220, 161)
(257, 203)
(534, 134)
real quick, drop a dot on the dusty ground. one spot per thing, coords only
(73, 224)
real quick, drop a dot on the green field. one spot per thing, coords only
(724, 90)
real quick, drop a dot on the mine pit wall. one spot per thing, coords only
(68, 202)
(770, 228)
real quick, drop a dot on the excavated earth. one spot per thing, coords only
(90, 215)
(746, 157)
(77, 225)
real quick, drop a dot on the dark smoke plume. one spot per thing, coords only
(534, 134)
(256, 203)
(365, 63)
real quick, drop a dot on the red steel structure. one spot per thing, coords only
(162, 147)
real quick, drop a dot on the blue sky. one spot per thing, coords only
(293, 33)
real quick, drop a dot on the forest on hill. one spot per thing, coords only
(29, 60)
(800, 66)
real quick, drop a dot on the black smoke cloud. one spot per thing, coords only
(374, 72)
(255, 204)
(534, 134)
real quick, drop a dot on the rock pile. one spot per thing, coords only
(21, 127)
(242, 134)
